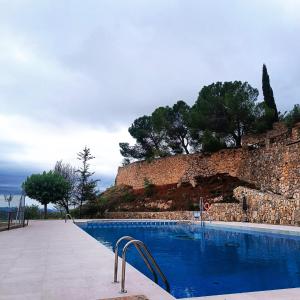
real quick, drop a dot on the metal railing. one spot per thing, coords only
(146, 256)
(70, 217)
(129, 238)
(12, 211)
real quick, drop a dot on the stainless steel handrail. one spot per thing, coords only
(129, 238)
(66, 217)
(143, 246)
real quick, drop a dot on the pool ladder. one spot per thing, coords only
(146, 256)
(70, 217)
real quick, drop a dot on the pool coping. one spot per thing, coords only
(278, 294)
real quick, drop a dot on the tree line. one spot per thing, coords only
(64, 186)
(221, 115)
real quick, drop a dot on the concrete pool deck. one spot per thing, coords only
(57, 260)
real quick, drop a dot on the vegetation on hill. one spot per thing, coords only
(222, 114)
(64, 186)
(268, 94)
(213, 189)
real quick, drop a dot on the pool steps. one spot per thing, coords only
(146, 256)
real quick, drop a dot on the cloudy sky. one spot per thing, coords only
(76, 73)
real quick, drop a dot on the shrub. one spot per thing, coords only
(148, 187)
(211, 143)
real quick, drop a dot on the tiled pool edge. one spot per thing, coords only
(289, 294)
(281, 229)
(281, 294)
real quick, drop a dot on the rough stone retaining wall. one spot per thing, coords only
(180, 168)
(271, 162)
(276, 169)
(161, 171)
(217, 212)
(267, 207)
(262, 207)
(165, 215)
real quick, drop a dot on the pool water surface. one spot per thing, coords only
(210, 260)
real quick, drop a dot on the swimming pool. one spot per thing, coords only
(210, 260)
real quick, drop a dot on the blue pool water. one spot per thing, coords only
(209, 261)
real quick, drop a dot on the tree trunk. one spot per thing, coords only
(185, 148)
(238, 141)
(80, 205)
(45, 211)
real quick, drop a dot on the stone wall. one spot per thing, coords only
(164, 215)
(279, 132)
(262, 207)
(272, 163)
(276, 169)
(267, 207)
(218, 212)
(161, 171)
(180, 168)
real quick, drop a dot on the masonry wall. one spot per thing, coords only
(217, 212)
(275, 169)
(262, 207)
(267, 207)
(160, 171)
(271, 162)
(180, 168)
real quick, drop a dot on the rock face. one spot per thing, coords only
(271, 162)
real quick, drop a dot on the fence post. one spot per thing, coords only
(9, 219)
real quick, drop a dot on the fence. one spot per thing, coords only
(12, 211)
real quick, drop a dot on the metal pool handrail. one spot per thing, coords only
(149, 256)
(129, 238)
(70, 217)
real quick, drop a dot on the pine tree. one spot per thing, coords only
(268, 94)
(87, 187)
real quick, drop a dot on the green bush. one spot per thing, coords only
(128, 197)
(293, 116)
(149, 187)
(211, 143)
(32, 212)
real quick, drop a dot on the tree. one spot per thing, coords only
(173, 123)
(69, 174)
(268, 94)
(86, 189)
(210, 142)
(264, 117)
(293, 116)
(150, 140)
(45, 188)
(226, 109)
(134, 152)
(8, 199)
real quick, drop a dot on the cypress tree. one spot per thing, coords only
(268, 93)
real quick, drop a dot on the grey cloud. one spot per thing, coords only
(107, 62)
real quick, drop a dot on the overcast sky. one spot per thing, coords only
(76, 73)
